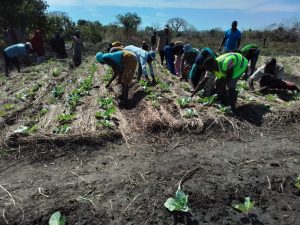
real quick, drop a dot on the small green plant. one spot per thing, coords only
(245, 207)
(184, 102)
(56, 72)
(2, 113)
(208, 100)
(57, 219)
(107, 76)
(65, 118)
(58, 91)
(186, 87)
(297, 184)
(165, 87)
(105, 102)
(146, 85)
(8, 106)
(73, 100)
(21, 96)
(242, 86)
(179, 203)
(85, 86)
(43, 112)
(107, 114)
(190, 113)
(62, 129)
(296, 96)
(32, 91)
(153, 96)
(224, 109)
(271, 97)
(105, 123)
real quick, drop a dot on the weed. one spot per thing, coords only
(63, 129)
(58, 91)
(8, 106)
(297, 184)
(245, 207)
(190, 113)
(57, 219)
(184, 102)
(65, 118)
(208, 100)
(21, 96)
(2, 113)
(179, 203)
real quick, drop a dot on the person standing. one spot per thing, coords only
(11, 54)
(58, 45)
(153, 40)
(78, 47)
(232, 39)
(38, 45)
(164, 39)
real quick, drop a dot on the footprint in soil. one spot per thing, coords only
(251, 219)
(184, 218)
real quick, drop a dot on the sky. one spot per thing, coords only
(202, 14)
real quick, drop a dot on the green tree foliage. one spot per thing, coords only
(130, 21)
(91, 31)
(59, 22)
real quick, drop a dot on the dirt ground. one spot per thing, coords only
(124, 174)
(128, 184)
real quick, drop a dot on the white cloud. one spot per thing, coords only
(250, 5)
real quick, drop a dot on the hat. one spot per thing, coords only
(29, 45)
(99, 57)
(187, 48)
(152, 54)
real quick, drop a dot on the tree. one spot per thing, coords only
(91, 31)
(18, 15)
(177, 24)
(130, 21)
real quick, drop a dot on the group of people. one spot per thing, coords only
(36, 47)
(197, 66)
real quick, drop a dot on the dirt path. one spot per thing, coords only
(121, 184)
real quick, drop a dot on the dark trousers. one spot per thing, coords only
(269, 82)
(9, 61)
(162, 56)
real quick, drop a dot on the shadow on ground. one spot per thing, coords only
(252, 113)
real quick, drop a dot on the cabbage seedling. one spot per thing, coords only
(246, 207)
(105, 102)
(57, 219)
(190, 113)
(179, 203)
(208, 100)
(65, 118)
(58, 91)
(184, 102)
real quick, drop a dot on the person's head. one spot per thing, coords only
(154, 32)
(99, 57)
(77, 33)
(28, 46)
(187, 48)
(234, 25)
(151, 56)
(210, 64)
(270, 66)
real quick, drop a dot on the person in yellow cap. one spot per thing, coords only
(227, 68)
(123, 64)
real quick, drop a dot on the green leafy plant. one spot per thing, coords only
(224, 109)
(56, 72)
(107, 114)
(184, 102)
(85, 86)
(297, 184)
(2, 113)
(245, 207)
(242, 86)
(32, 91)
(186, 87)
(65, 118)
(179, 203)
(271, 97)
(8, 106)
(296, 96)
(58, 91)
(105, 123)
(146, 85)
(208, 100)
(165, 87)
(73, 100)
(105, 102)
(153, 96)
(190, 113)
(63, 129)
(43, 112)
(21, 96)
(107, 76)
(57, 219)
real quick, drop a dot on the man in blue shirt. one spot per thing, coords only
(11, 54)
(232, 39)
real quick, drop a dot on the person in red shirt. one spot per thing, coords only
(38, 45)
